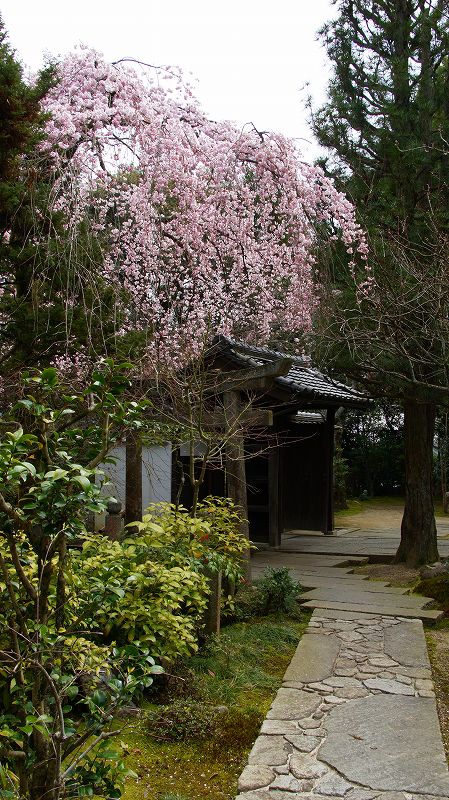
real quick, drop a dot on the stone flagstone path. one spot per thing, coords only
(355, 718)
(336, 587)
(363, 543)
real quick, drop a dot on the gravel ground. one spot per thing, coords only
(382, 515)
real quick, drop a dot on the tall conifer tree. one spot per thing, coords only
(21, 195)
(386, 123)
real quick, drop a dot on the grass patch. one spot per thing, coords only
(174, 797)
(240, 670)
(354, 507)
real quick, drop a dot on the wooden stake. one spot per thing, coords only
(235, 467)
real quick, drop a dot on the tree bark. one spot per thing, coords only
(418, 531)
(133, 504)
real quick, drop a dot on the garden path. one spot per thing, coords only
(332, 585)
(356, 716)
(378, 545)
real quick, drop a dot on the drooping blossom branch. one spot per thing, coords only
(204, 226)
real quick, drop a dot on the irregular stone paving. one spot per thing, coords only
(355, 718)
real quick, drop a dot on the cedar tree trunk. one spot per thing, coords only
(418, 531)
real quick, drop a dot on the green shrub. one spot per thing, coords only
(136, 598)
(277, 591)
(242, 606)
(211, 540)
(61, 682)
(151, 586)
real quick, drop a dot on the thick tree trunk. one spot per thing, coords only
(418, 531)
(44, 780)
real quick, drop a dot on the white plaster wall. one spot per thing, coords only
(156, 474)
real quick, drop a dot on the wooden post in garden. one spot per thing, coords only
(235, 466)
(133, 505)
(212, 614)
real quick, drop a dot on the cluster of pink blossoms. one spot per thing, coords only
(205, 228)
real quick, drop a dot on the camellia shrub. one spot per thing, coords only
(151, 587)
(61, 680)
(130, 596)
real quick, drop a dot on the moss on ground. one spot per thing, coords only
(437, 587)
(242, 671)
(353, 507)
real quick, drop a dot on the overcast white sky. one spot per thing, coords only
(251, 58)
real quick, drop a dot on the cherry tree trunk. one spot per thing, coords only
(418, 531)
(133, 504)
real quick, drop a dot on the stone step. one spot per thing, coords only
(370, 544)
(387, 609)
(341, 556)
(331, 572)
(307, 559)
(359, 595)
(351, 582)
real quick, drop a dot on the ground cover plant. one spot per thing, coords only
(438, 588)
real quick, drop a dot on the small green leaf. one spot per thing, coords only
(116, 590)
(49, 375)
(84, 482)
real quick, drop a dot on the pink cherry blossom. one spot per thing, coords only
(205, 228)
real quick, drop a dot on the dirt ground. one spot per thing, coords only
(396, 574)
(383, 514)
(377, 513)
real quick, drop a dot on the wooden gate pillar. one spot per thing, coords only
(330, 447)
